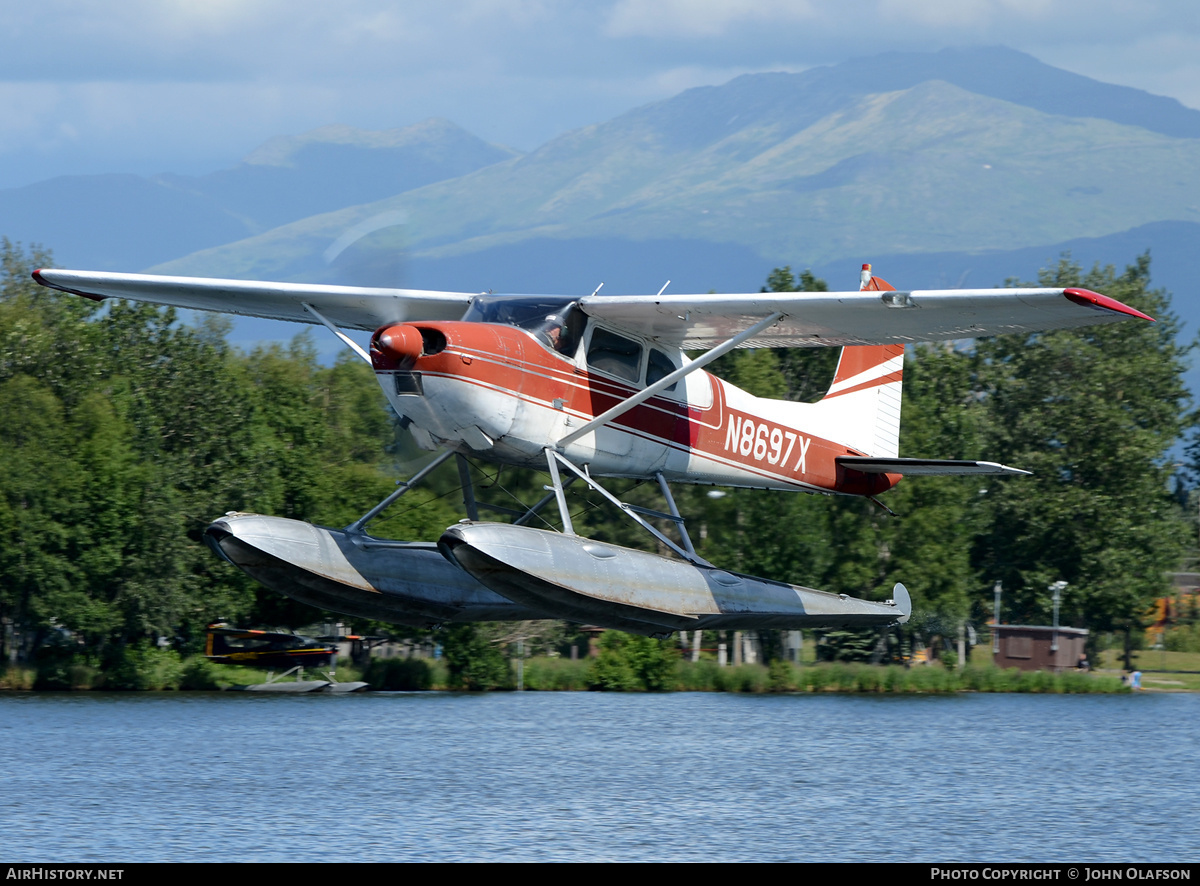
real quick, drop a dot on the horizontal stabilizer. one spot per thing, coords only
(925, 466)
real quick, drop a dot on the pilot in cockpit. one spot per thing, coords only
(552, 332)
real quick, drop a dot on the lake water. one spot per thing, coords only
(598, 776)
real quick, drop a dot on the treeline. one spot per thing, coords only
(123, 432)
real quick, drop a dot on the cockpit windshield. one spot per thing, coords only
(556, 322)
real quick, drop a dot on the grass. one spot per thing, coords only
(934, 679)
(156, 672)
(551, 674)
(556, 674)
(1161, 670)
(18, 677)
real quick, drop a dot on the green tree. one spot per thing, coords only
(630, 663)
(473, 661)
(806, 372)
(124, 432)
(36, 479)
(929, 543)
(1092, 412)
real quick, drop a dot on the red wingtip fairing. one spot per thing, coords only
(39, 277)
(396, 347)
(1090, 299)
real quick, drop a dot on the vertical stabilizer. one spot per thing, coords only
(864, 399)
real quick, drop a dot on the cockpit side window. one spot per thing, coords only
(556, 323)
(659, 367)
(615, 354)
(562, 330)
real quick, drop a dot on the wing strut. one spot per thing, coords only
(668, 380)
(346, 340)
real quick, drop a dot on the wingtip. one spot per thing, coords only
(1090, 299)
(39, 276)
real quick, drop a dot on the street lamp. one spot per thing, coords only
(1056, 589)
(996, 588)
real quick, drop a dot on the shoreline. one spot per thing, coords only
(583, 675)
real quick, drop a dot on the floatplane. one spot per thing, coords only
(250, 647)
(598, 387)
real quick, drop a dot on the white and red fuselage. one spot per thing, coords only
(504, 394)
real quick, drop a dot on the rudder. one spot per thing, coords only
(864, 398)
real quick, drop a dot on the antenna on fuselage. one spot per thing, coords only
(598, 288)
(664, 289)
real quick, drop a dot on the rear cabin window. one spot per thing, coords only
(615, 354)
(660, 366)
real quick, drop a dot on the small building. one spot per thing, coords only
(1039, 647)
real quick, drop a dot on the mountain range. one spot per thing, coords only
(962, 167)
(130, 222)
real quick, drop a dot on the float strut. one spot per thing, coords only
(361, 522)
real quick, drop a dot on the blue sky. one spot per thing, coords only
(186, 86)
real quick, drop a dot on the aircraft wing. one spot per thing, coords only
(833, 319)
(822, 319)
(350, 307)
